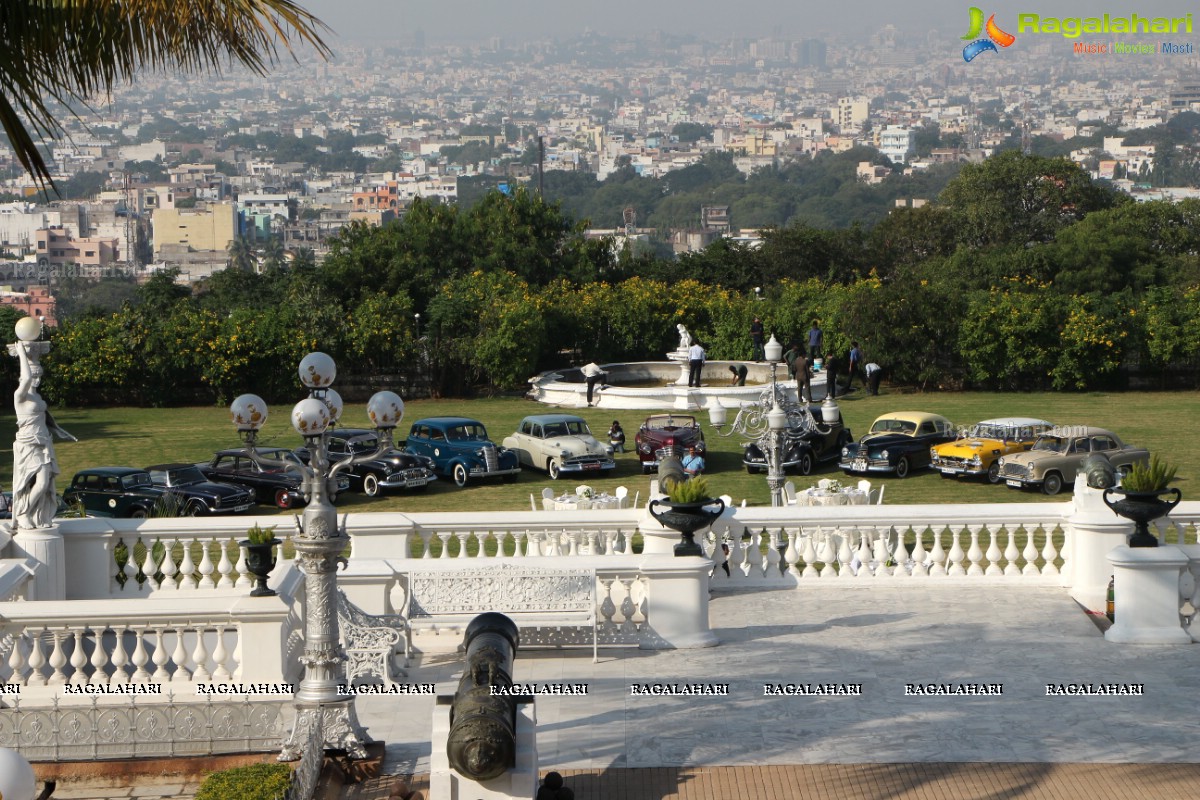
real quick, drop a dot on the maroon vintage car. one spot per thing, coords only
(667, 434)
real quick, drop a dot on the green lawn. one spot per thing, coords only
(139, 437)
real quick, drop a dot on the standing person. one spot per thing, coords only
(804, 378)
(616, 437)
(756, 339)
(855, 364)
(792, 356)
(695, 363)
(831, 370)
(693, 462)
(816, 342)
(594, 375)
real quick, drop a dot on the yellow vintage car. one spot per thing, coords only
(978, 452)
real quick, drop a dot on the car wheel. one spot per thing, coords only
(993, 474)
(139, 513)
(195, 510)
(806, 464)
(902, 467)
(370, 485)
(283, 499)
(1052, 483)
(751, 470)
(553, 468)
(460, 475)
(647, 470)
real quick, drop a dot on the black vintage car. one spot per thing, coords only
(271, 485)
(395, 469)
(898, 443)
(804, 447)
(197, 495)
(114, 492)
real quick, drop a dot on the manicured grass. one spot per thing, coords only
(140, 437)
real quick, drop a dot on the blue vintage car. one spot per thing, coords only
(461, 450)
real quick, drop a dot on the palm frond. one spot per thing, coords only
(67, 51)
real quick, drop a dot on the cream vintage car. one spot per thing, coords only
(1055, 457)
(977, 452)
(559, 443)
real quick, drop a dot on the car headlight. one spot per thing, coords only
(884, 455)
(608, 451)
(845, 452)
(1001, 461)
(933, 454)
(564, 453)
(977, 461)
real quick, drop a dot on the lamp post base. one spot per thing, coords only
(340, 730)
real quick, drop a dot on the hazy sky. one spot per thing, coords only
(517, 20)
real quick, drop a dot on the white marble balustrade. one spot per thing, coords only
(171, 643)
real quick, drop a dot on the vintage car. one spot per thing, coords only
(804, 447)
(272, 485)
(114, 492)
(559, 443)
(898, 442)
(6, 500)
(1055, 457)
(978, 452)
(668, 434)
(461, 450)
(196, 494)
(395, 469)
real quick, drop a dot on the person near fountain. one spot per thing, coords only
(739, 374)
(789, 357)
(616, 437)
(804, 375)
(756, 339)
(594, 375)
(855, 364)
(695, 364)
(816, 342)
(831, 372)
(34, 464)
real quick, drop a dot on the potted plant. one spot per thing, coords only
(1143, 486)
(689, 508)
(260, 556)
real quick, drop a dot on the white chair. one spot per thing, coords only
(532, 502)
(864, 486)
(878, 501)
(789, 493)
(727, 500)
(622, 495)
(548, 499)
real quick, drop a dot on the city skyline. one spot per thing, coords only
(524, 20)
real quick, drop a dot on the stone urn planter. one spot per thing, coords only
(1142, 508)
(687, 518)
(260, 560)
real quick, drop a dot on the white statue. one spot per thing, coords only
(685, 338)
(34, 465)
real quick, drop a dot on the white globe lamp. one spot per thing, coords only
(248, 412)
(310, 417)
(385, 409)
(28, 329)
(17, 781)
(334, 401)
(317, 370)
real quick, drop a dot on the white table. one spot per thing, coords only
(821, 497)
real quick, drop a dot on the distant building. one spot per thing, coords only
(208, 229)
(35, 301)
(897, 143)
(56, 247)
(714, 218)
(851, 113)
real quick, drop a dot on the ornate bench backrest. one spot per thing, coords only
(505, 588)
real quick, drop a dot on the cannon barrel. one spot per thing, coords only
(482, 742)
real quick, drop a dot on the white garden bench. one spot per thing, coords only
(533, 597)
(371, 641)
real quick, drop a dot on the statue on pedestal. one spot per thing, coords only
(685, 338)
(34, 464)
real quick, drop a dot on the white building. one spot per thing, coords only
(897, 143)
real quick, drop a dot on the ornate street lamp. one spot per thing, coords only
(771, 420)
(319, 545)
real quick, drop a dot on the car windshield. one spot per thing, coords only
(901, 426)
(1051, 444)
(991, 432)
(365, 445)
(668, 422)
(136, 480)
(572, 427)
(177, 477)
(468, 433)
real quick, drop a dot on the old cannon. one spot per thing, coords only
(483, 716)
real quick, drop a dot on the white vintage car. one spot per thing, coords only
(559, 443)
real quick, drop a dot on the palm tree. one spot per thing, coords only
(242, 256)
(71, 51)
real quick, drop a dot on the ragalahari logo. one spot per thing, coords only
(995, 35)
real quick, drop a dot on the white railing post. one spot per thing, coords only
(1146, 592)
(1094, 531)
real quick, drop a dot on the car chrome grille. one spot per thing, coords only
(490, 459)
(1012, 470)
(953, 461)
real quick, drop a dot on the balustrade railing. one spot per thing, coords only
(134, 728)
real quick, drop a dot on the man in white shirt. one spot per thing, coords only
(695, 364)
(593, 374)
